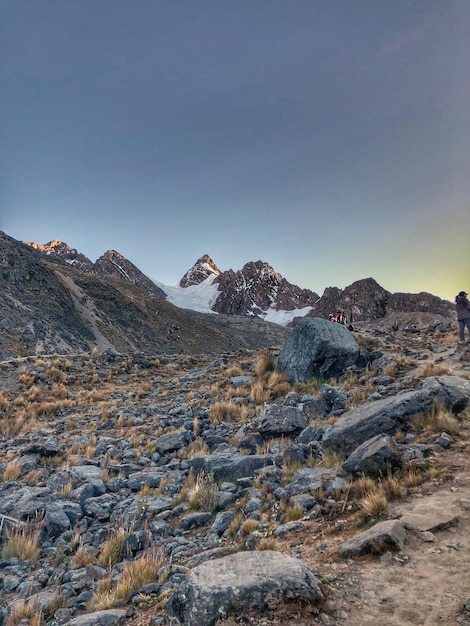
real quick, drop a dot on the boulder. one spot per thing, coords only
(110, 617)
(318, 347)
(230, 466)
(259, 581)
(170, 442)
(383, 537)
(277, 420)
(374, 457)
(385, 416)
(311, 479)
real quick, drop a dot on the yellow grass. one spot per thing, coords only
(22, 544)
(12, 471)
(134, 575)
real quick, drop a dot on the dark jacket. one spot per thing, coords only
(463, 307)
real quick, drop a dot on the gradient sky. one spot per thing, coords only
(329, 138)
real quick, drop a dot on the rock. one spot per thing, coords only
(111, 617)
(374, 457)
(384, 536)
(229, 466)
(313, 479)
(260, 581)
(276, 420)
(173, 441)
(386, 416)
(318, 347)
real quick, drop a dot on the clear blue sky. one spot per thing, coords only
(329, 138)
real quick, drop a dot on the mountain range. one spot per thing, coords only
(56, 299)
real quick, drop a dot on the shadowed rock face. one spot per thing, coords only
(317, 347)
(366, 300)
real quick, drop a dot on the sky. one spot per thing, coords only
(328, 138)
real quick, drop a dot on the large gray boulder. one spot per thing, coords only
(385, 416)
(259, 581)
(383, 537)
(374, 457)
(318, 347)
(230, 466)
(276, 420)
(110, 617)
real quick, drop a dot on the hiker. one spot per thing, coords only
(340, 318)
(462, 306)
(331, 317)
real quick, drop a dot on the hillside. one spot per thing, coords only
(50, 306)
(114, 462)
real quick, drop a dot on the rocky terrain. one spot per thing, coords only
(247, 487)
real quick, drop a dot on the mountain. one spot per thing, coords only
(111, 263)
(256, 290)
(200, 271)
(54, 299)
(366, 300)
(51, 305)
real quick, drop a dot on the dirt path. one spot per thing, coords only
(429, 581)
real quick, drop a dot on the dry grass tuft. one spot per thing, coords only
(134, 575)
(438, 419)
(234, 527)
(110, 553)
(198, 447)
(249, 526)
(21, 543)
(374, 503)
(433, 369)
(264, 364)
(294, 513)
(267, 543)
(203, 495)
(223, 412)
(331, 459)
(12, 471)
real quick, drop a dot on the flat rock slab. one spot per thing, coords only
(260, 581)
(430, 516)
(111, 617)
(383, 537)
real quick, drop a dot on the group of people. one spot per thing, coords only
(339, 317)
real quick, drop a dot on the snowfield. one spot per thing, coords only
(202, 297)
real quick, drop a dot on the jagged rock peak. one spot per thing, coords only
(202, 269)
(65, 252)
(111, 263)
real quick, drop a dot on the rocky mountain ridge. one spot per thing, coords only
(49, 305)
(56, 300)
(258, 290)
(111, 264)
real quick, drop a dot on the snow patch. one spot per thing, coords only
(283, 318)
(198, 298)
(202, 297)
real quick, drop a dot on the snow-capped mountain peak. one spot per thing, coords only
(202, 269)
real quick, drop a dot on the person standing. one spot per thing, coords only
(462, 306)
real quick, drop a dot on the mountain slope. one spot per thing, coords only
(49, 305)
(111, 263)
